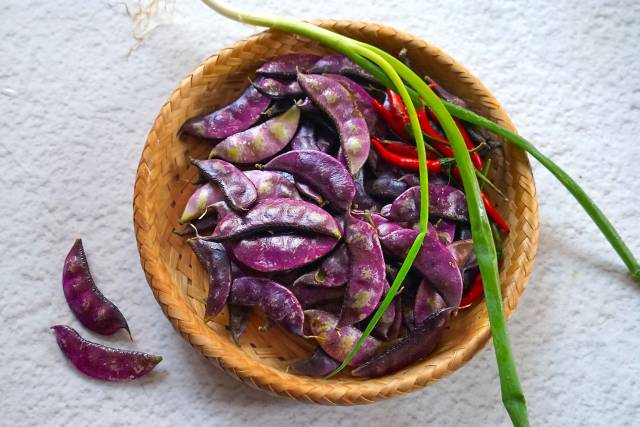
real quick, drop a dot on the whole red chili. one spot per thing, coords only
(410, 163)
(398, 110)
(474, 293)
(390, 120)
(401, 148)
(493, 214)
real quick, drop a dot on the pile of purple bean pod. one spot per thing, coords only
(298, 217)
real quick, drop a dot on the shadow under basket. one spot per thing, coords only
(179, 283)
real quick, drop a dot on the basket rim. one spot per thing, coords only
(232, 359)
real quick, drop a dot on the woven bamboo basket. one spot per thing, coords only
(179, 284)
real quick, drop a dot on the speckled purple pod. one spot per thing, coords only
(317, 365)
(215, 261)
(336, 101)
(367, 271)
(334, 270)
(452, 205)
(427, 302)
(308, 138)
(281, 252)
(235, 117)
(322, 172)
(237, 188)
(416, 346)
(204, 196)
(434, 261)
(279, 214)
(339, 64)
(85, 300)
(259, 142)
(288, 65)
(336, 341)
(238, 320)
(276, 301)
(446, 230)
(272, 185)
(364, 103)
(101, 362)
(445, 202)
(311, 296)
(277, 88)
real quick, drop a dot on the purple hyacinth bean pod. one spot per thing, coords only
(416, 346)
(281, 252)
(276, 301)
(367, 271)
(322, 172)
(337, 341)
(213, 257)
(287, 65)
(259, 142)
(231, 119)
(237, 188)
(85, 300)
(278, 214)
(434, 261)
(337, 103)
(101, 362)
(317, 365)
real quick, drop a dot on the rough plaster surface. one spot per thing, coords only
(75, 110)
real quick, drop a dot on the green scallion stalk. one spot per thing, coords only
(483, 243)
(576, 191)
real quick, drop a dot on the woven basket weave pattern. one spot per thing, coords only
(179, 284)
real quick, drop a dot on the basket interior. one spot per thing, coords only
(168, 177)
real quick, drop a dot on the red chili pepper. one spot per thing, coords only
(398, 109)
(493, 214)
(409, 163)
(390, 120)
(474, 293)
(401, 148)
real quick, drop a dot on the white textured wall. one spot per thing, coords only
(75, 111)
